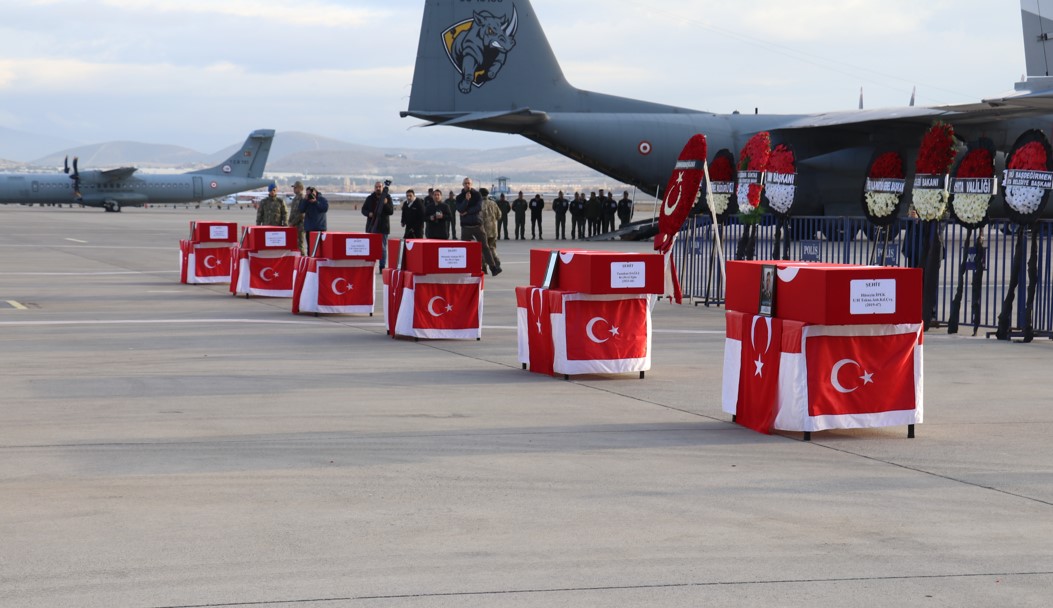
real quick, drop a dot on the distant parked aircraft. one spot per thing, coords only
(113, 189)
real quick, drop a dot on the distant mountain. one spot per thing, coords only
(122, 153)
(314, 155)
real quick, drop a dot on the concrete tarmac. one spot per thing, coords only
(168, 445)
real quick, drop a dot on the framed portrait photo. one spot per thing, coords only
(550, 269)
(767, 291)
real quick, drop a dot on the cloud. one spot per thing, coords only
(323, 14)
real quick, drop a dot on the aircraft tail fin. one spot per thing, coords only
(491, 67)
(250, 159)
(1037, 19)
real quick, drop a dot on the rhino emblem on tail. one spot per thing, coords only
(478, 46)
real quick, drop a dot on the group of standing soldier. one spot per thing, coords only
(482, 218)
(589, 217)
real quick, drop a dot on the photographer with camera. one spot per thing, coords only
(378, 209)
(314, 208)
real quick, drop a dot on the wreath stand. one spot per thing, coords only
(1027, 333)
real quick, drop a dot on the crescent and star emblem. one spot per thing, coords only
(268, 274)
(211, 266)
(336, 286)
(867, 377)
(753, 340)
(431, 306)
(540, 302)
(666, 209)
(590, 330)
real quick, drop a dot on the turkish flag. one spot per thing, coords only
(345, 285)
(681, 191)
(212, 261)
(599, 330)
(394, 284)
(534, 329)
(861, 374)
(272, 273)
(539, 324)
(758, 398)
(446, 305)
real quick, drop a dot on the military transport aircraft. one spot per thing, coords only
(491, 68)
(115, 188)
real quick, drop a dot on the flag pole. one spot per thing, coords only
(716, 226)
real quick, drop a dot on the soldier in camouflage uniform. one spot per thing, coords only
(272, 211)
(296, 216)
(490, 215)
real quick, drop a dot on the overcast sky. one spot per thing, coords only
(203, 73)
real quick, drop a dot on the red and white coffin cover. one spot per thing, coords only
(269, 238)
(265, 273)
(346, 245)
(214, 232)
(393, 282)
(534, 329)
(829, 294)
(435, 256)
(600, 272)
(793, 376)
(334, 286)
(204, 263)
(440, 306)
(600, 334)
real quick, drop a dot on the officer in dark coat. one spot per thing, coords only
(502, 222)
(577, 216)
(413, 216)
(560, 206)
(537, 205)
(436, 219)
(625, 209)
(519, 208)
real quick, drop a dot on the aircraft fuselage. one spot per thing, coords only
(57, 188)
(639, 150)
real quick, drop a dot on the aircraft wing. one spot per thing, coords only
(501, 121)
(119, 173)
(998, 108)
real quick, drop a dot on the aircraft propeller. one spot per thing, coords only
(65, 165)
(76, 178)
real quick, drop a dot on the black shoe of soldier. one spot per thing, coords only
(496, 271)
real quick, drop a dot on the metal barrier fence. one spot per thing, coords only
(855, 241)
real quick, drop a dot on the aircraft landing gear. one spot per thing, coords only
(112, 207)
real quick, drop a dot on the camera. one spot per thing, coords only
(387, 183)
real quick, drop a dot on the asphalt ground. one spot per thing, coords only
(168, 445)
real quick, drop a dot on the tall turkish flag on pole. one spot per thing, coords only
(679, 198)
